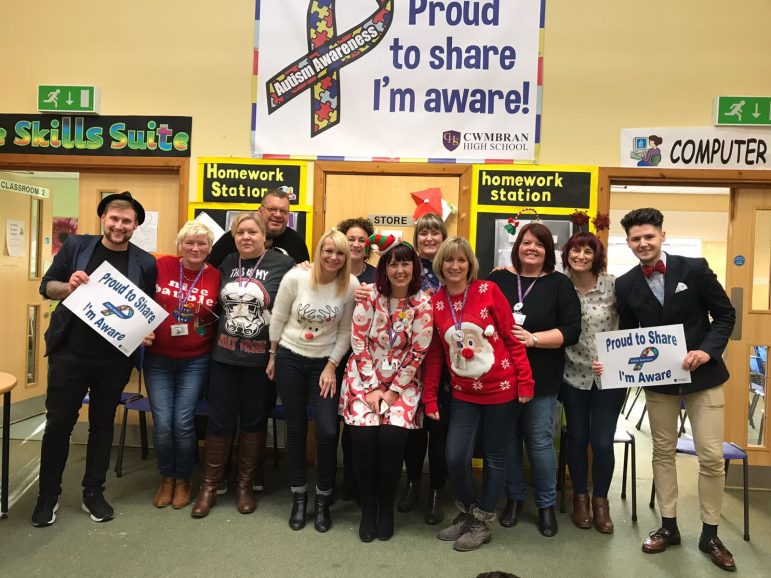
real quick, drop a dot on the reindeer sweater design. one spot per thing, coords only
(312, 322)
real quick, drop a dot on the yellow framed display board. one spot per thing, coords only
(228, 185)
(554, 192)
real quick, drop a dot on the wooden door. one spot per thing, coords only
(748, 274)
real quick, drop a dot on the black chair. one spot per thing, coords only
(621, 437)
(731, 451)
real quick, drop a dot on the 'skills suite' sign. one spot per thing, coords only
(156, 136)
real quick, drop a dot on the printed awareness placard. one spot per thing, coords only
(115, 308)
(642, 357)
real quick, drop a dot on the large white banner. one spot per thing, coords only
(457, 80)
(642, 357)
(696, 148)
(115, 308)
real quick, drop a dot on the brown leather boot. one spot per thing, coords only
(601, 513)
(259, 478)
(165, 493)
(580, 515)
(215, 455)
(247, 464)
(182, 494)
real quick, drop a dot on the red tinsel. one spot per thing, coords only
(601, 221)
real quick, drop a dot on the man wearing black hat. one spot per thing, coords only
(80, 361)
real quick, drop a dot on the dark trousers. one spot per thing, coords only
(378, 452)
(497, 422)
(297, 378)
(432, 437)
(591, 416)
(70, 377)
(238, 393)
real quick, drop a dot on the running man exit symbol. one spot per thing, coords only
(68, 98)
(743, 111)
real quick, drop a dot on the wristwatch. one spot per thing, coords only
(535, 339)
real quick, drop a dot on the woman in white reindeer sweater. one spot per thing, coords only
(310, 332)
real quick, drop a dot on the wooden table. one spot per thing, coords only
(7, 383)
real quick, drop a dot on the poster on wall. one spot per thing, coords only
(696, 148)
(398, 80)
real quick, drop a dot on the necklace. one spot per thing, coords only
(184, 313)
(241, 291)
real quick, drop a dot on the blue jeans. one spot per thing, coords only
(535, 429)
(297, 378)
(591, 415)
(497, 422)
(174, 386)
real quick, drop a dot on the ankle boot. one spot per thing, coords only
(322, 521)
(215, 454)
(601, 512)
(478, 532)
(435, 512)
(510, 515)
(259, 472)
(580, 516)
(299, 510)
(458, 527)
(247, 463)
(182, 495)
(547, 522)
(385, 521)
(410, 497)
(165, 493)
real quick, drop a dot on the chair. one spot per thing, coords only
(142, 405)
(621, 437)
(731, 451)
(279, 413)
(683, 417)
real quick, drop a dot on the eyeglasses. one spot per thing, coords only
(274, 210)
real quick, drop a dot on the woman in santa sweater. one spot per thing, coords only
(177, 363)
(490, 378)
(310, 332)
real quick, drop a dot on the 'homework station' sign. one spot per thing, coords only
(642, 357)
(115, 308)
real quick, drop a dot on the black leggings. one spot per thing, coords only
(433, 436)
(378, 452)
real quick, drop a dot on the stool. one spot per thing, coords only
(731, 451)
(620, 437)
(7, 383)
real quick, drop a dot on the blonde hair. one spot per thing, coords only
(344, 274)
(451, 247)
(193, 229)
(430, 221)
(247, 216)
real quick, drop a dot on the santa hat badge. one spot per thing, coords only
(384, 243)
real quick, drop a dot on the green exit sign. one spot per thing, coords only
(743, 111)
(66, 98)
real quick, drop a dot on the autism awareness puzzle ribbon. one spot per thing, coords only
(328, 53)
(648, 354)
(123, 311)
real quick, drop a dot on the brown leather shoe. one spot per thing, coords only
(659, 540)
(165, 493)
(248, 452)
(718, 553)
(182, 494)
(580, 515)
(215, 452)
(601, 515)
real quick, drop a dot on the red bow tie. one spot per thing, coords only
(648, 270)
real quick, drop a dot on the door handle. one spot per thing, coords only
(737, 300)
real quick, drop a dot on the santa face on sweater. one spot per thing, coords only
(474, 355)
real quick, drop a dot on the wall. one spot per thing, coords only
(608, 65)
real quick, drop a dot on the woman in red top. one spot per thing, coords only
(177, 363)
(490, 377)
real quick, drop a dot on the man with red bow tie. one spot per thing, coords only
(668, 290)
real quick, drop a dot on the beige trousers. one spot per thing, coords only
(706, 414)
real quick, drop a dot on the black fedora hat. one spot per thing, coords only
(124, 196)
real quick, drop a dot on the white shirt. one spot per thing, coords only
(656, 281)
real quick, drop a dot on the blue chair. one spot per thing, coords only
(731, 451)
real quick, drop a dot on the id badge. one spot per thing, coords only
(179, 330)
(387, 365)
(519, 319)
